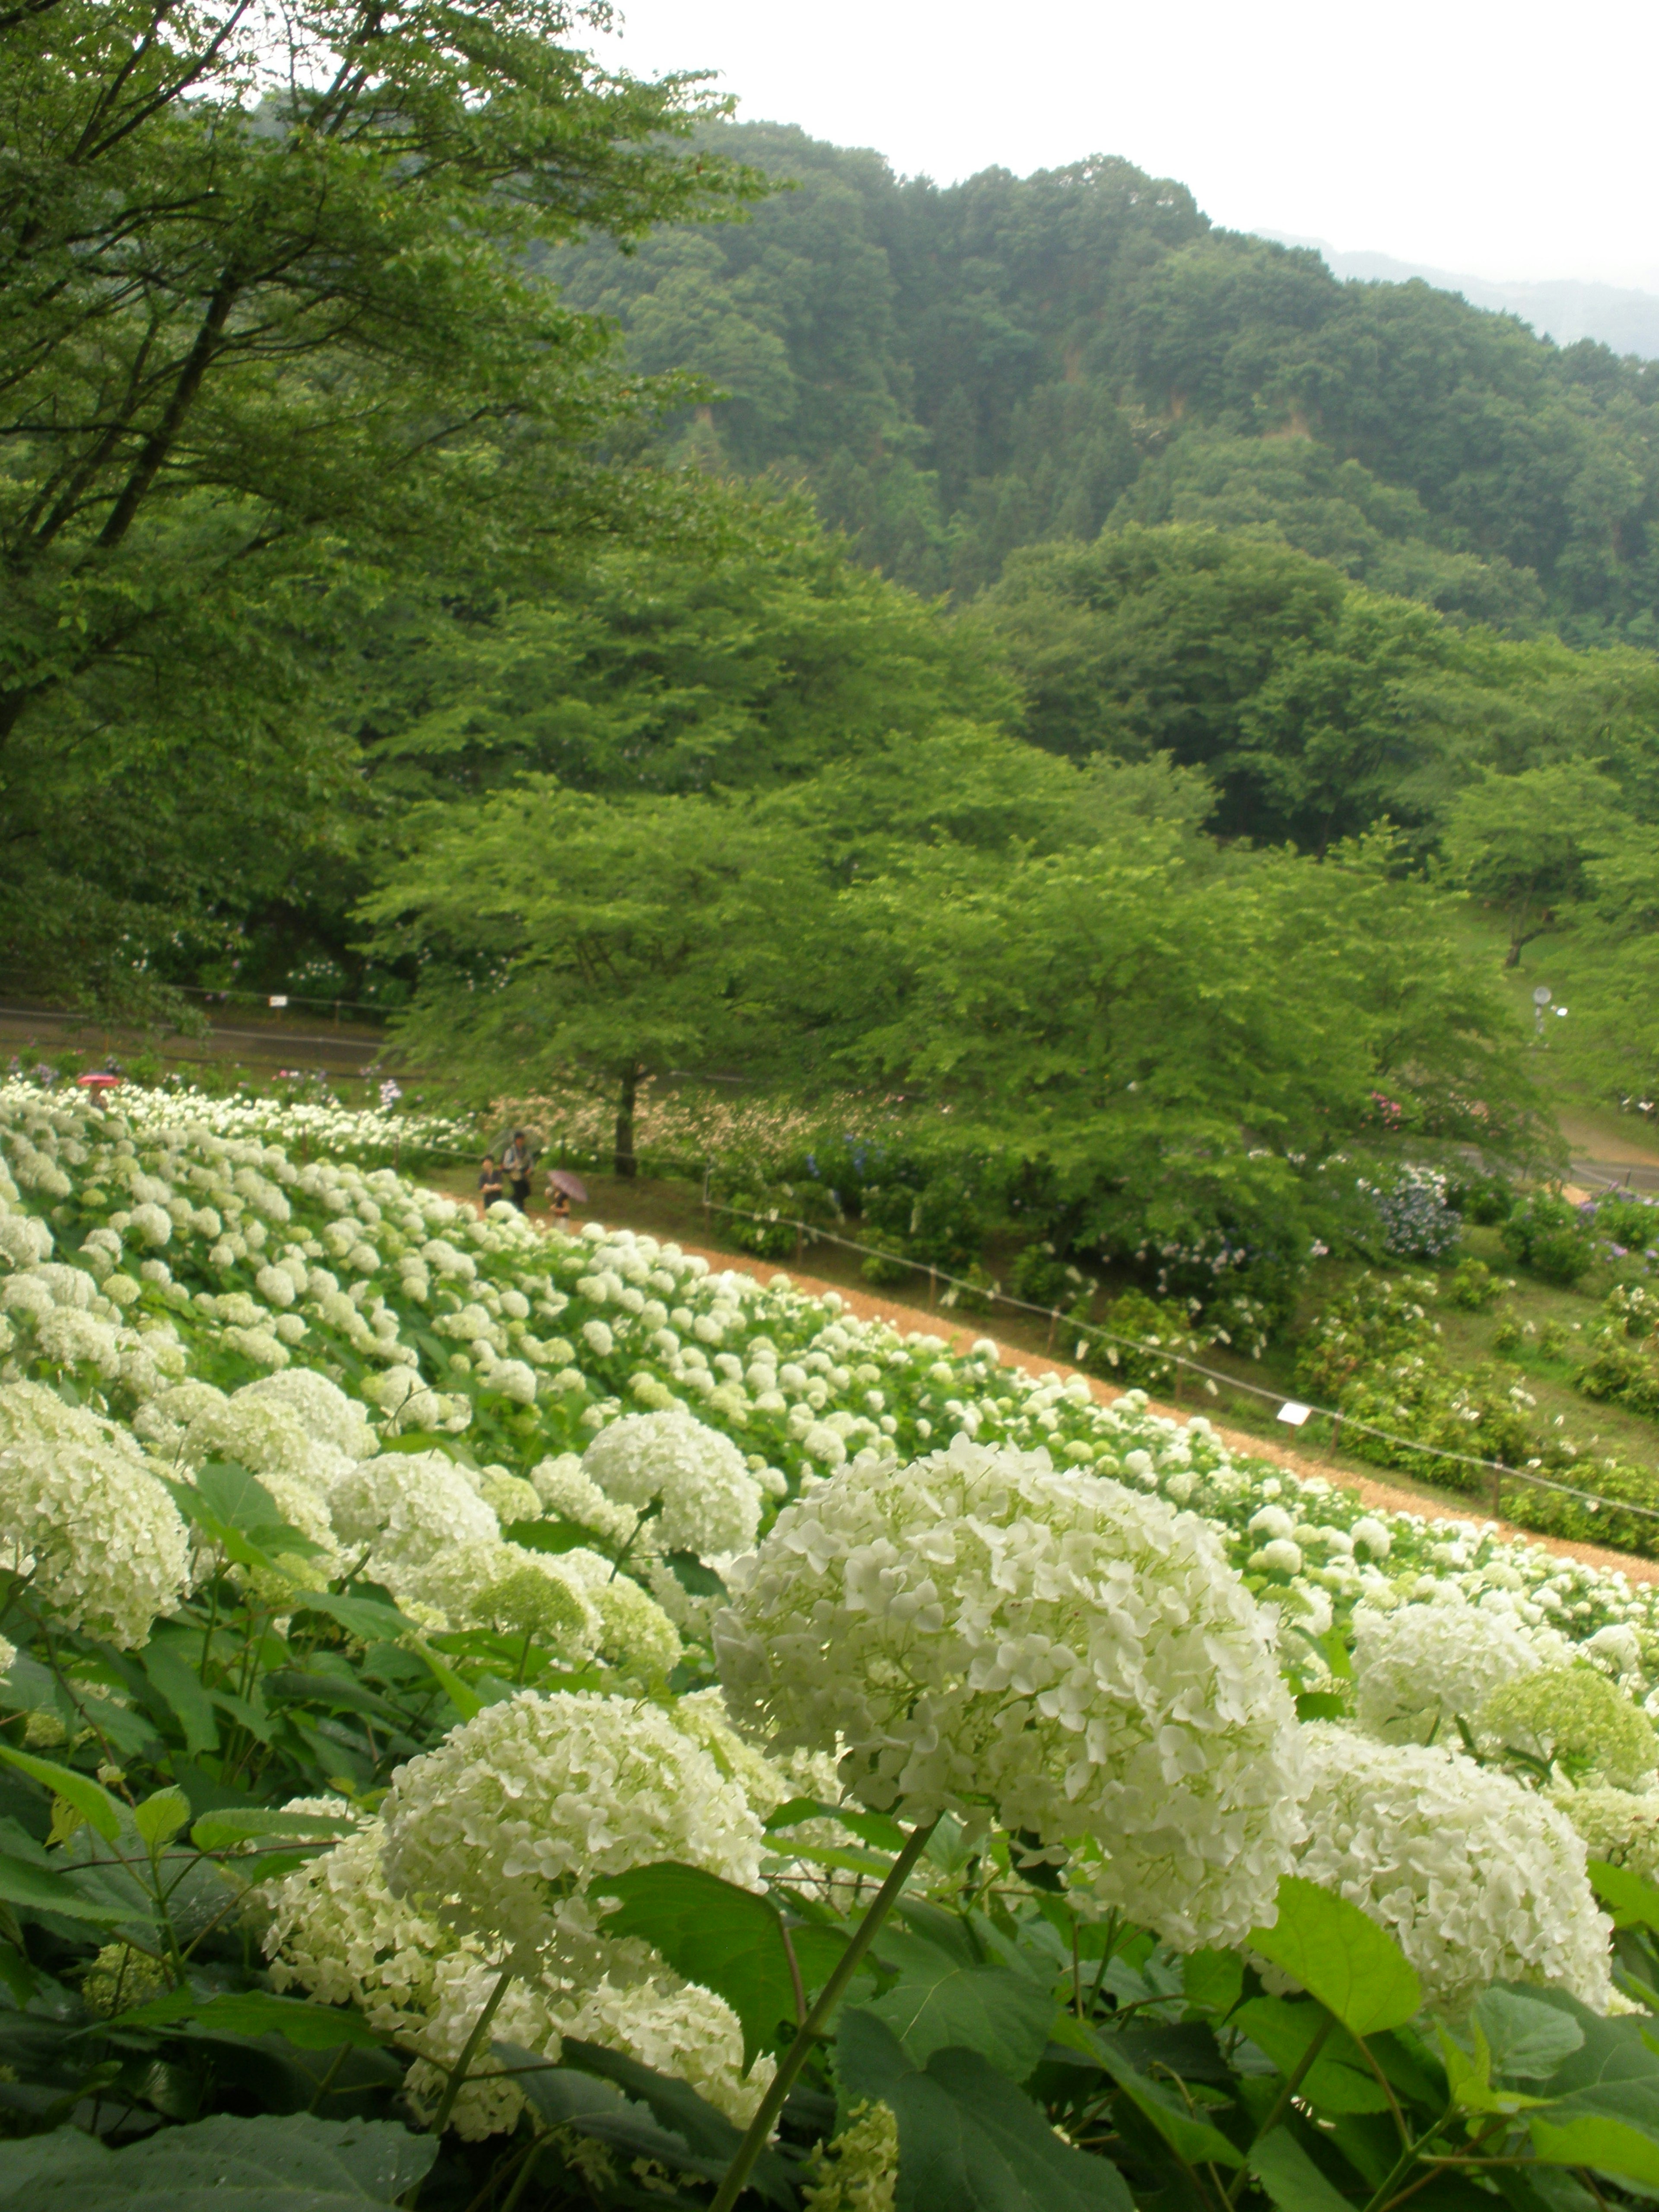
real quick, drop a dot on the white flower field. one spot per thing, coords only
(605, 1722)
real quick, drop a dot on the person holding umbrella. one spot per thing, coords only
(564, 1186)
(515, 1166)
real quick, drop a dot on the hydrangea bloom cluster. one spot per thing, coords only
(1619, 1825)
(535, 1796)
(1575, 1719)
(1477, 1878)
(984, 1632)
(709, 1503)
(1421, 1668)
(83, 1512)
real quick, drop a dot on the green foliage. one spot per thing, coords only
(272, 346)
(1472, 1286)
(1550, 1237)
(292, 2164)
(964, 371)
(1483, 1200)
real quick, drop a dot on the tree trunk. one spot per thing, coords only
(625, 1163)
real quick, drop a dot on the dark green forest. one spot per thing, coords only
(960, 371)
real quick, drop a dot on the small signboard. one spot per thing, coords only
(1293, 1415)
(280, 1002)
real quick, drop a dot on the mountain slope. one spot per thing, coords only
(958, 371)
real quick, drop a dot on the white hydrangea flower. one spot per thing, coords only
(491, 1584)
(1619, 1825)
(1420, 1668)
(982, 1631)
(564, 1490)
(80, 1506)
(152, 1223)
(539, 1795)
(338, 1931)
(404, 1508)
(66, 1337)
(711, 1502)
(1375, 1535)
(635, 1634)
(1477, 1878)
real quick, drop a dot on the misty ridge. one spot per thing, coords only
(1623, 317)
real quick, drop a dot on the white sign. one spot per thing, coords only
(279, 1002)
(1293, 1415)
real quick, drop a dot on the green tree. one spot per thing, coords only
(560, 934)
(1522, 843)
(268, 340)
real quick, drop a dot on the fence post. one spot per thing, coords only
(933, 1287)
(1054, 1323)
(1496, 1494)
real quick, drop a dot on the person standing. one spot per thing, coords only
(490, 1183)
(515, 1165)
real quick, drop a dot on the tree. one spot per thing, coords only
(1522, 841)
(268, 341)
(560, 934)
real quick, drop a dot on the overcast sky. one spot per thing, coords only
(1510, 141)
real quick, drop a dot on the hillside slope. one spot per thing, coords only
(959, 371)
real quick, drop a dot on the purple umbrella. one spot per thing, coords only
(571, 1185)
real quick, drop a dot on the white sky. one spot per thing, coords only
(1508, 141)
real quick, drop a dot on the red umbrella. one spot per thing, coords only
(98, 1082)
(571, 1185)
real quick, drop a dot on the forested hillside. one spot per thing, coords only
(960, 371)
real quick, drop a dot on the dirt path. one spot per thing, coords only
(959, 1336)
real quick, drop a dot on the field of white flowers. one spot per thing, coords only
(518, 1720)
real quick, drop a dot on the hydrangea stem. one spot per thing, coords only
(760, 2128)
(457, 2073)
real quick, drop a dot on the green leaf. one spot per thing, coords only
(940, 2000)
(237, 1824)
(728, 1939)
(370, 1619)
(180, 1684)
(256, 2012)
(1338, 2081)
(1605, 2141)
(89, 1798)
(1213, 1982)
(553, 1536)
(292, 2164)
(675, 2105)
(693, 1578)
(1193, 2141)
(1633, 1902)
(1355, 1969)
(38, 1889)
(160, 1816)
(466, 1701)
(1469, 2077)
(1527, 2040)
(241, 1501)
(1320, 1706)
(565, 2097)
(969, 2140)
(1290, 2176)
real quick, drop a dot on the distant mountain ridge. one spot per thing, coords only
(958, 371)
(1564, 308)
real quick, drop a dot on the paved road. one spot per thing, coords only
(1616, 1175)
